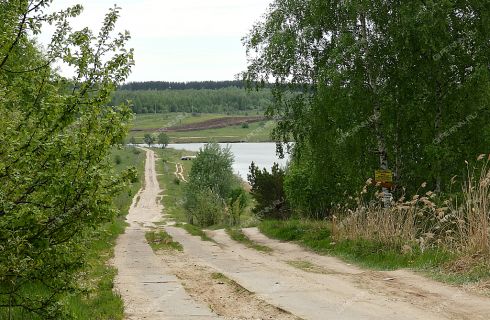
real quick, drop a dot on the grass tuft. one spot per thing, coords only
(160, 240)
(239, 236)
(194, 230)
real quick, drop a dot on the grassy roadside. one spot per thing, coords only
(316, 236)
(100, 302)
(194, 231)
(239, 236)
(173, 188)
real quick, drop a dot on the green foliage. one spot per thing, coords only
(211, 182)
(222, 100)
(163, 139)
(160, 240)
(316, 235)
(212, 169)
(204, 207)
(364, 85)
(149, 139)
(135, 150)
(268, 192)
(55, 166)
(239, 236)
(166, 85)
(132, 140)
(237, 203)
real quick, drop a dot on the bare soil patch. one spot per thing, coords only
(207, 124)
(224, 296)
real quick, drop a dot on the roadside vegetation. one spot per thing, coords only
(211, 196)
(98, 299)
(239, 236)
(170, 183)
(194, 230)
(214, 195)
(446, 238)
(421, 121)
(160, 240)
(58, 179)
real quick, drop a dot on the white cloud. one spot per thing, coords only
(180, 40)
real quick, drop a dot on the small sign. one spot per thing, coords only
(383, 176)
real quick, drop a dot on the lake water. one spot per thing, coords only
(263, 154)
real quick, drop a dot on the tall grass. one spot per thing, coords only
(457, 225)
(473, 214)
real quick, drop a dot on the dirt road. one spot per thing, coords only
(290, 282)
(148, 288)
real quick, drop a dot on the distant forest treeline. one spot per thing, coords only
(203, 97)
(166, 85)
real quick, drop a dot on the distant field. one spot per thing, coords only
(165, 120)
(184, 127)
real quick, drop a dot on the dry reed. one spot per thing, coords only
(461, 226)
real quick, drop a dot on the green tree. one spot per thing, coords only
(163, 139)
(55, 166)
(149, 139)
(365, 85)
(132, 140)
(268, 192)
(211, 176)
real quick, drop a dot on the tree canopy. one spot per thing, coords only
(220, 100)
(57, 182)
(377, 85)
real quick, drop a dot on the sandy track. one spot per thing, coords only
(334, 290)
(327, 288)
(148, 287)
(447, 301)
(179, 172)
(224, 296)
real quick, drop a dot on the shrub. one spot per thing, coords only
(237, 203)
(205, 208)
(268, 192)
(212, 186)
(117, 159)
(245, 125)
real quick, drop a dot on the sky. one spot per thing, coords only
(179, 40)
